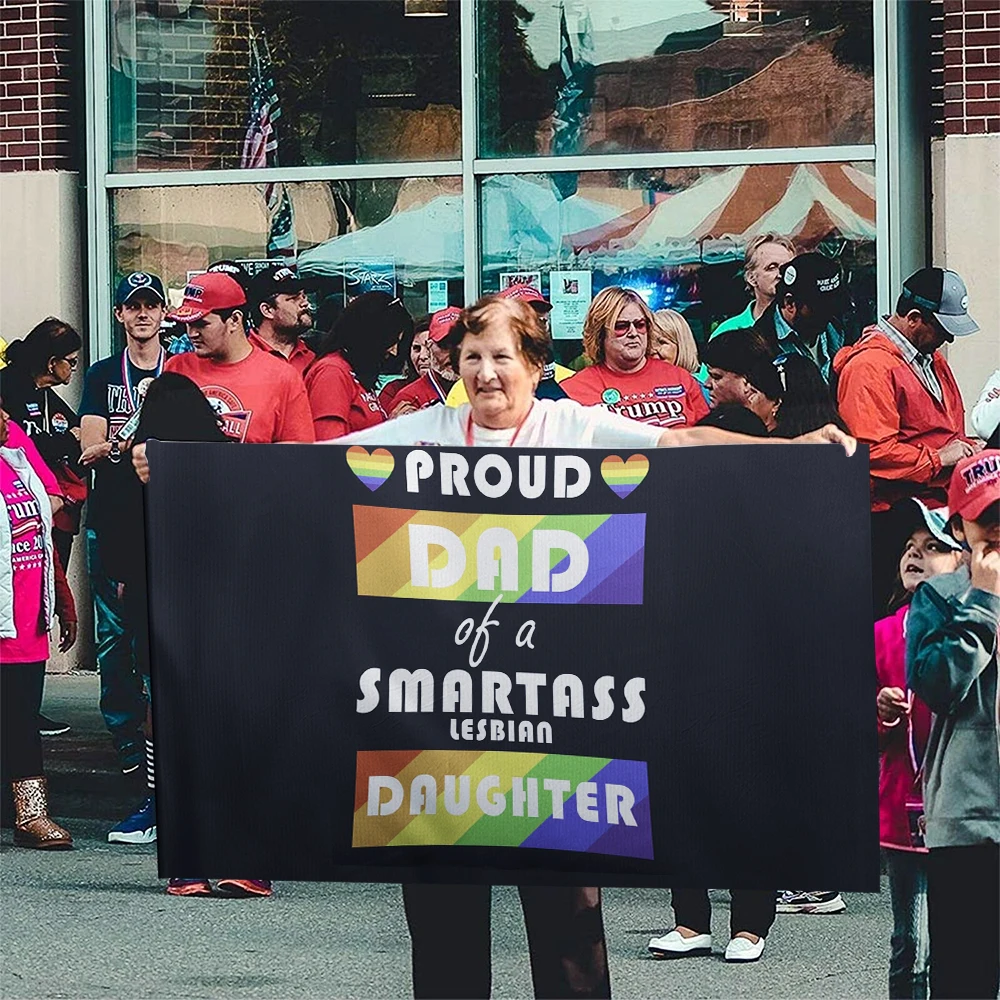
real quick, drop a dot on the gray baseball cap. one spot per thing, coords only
(944, 294)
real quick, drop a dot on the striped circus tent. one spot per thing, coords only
(712, 220)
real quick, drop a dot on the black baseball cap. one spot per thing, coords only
(735, 351)
(139, 281)
(812, 278)
(944, 294)
(278, 279)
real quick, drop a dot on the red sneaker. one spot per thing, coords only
(189, 887)
(241, 887)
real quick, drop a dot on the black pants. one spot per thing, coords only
(751, 910)
(20, 700)
(450, 933)
(963, 913)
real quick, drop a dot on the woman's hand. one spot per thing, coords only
(140, 463)
(67, 634)
(56, 503)
(829, 434)
(95, 453)
(892, 705)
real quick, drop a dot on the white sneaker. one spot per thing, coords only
(741, 949)
(675, 945)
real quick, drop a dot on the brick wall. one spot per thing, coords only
(971, 44)
(185, 105)
(39, 85)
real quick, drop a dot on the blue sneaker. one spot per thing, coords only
(139, 828)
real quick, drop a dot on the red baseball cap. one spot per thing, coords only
(975, 484)
(207, 293)
(441, 323)
(529, 294)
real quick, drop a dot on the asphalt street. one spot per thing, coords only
(94, 922)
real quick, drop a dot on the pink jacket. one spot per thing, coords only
(897, 781)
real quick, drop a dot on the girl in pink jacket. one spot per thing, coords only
(903, 726)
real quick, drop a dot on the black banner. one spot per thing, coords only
(516, 666)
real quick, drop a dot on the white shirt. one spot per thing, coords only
(986, 412)
(551, 423)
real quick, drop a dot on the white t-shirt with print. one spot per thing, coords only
(550, 423)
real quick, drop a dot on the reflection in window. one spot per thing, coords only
(403, 236)
(647, 75)
(677, 235)
(348, 82)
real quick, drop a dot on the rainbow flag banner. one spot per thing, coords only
(530, 558)
(513, 665)
(496, 798)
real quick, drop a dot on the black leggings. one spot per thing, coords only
(752, 910)
(450, 932)
(20, 700)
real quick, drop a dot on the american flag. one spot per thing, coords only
(281, 241)
(571, 103)
(260, 149)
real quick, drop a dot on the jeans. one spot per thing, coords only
(909, 959)
(123, 701)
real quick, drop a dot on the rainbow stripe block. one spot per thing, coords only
(372, 469)
(624, 477)
(615, 545)
(596, 805)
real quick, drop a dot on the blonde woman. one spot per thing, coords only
(625, 374)
(674, 343)
(762, 261)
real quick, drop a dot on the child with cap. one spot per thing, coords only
(951, 663)
(927, 550)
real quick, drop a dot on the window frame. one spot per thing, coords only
(901, 216)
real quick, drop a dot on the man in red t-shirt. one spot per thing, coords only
(259, 398)
(281, 316)
(627, 381)
(434, 385)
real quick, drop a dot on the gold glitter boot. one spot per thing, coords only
(32, 827)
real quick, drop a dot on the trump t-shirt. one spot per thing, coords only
(259, 400)
(659, 393)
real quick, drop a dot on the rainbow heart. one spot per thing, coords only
(372, 469)
(623, 477)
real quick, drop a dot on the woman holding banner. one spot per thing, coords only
(498, 346)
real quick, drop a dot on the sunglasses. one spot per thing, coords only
(622, 326)
(72, 362)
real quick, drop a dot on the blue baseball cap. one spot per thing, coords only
(139, 281)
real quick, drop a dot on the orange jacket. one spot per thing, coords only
(887, 408)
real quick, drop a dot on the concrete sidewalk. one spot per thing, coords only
(94, 922)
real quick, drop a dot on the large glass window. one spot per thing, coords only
(400, 236)
(597, 76)
(205, 84)
(675, 235)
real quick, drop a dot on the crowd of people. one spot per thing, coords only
(251, 368)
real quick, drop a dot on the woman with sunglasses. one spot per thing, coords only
(624, 374)
(341, 381)
(48, 356)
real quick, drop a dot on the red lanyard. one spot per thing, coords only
(469, 443)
